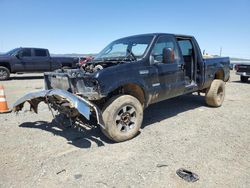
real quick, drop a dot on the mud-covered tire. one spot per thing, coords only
(243, 79)
(122, 116)
(216, 93)
(4, 73)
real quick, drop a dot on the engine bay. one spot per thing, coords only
(92, 67)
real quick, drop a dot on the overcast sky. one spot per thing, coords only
(87, 26)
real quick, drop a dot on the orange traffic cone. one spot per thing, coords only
(3, 103)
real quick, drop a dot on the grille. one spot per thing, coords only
(56, 81)
(59, 82)
(244, 68)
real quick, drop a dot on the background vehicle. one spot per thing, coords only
(21, 60)
(244, 71)
(127, 76)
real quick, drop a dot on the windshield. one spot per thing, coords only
(122, 48)
(11, 52)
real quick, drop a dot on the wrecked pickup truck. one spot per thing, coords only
(114, 88)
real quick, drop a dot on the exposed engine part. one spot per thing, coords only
(94, 67)
(98, 67)
(91, 67)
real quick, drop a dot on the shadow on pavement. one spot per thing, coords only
(79, 137)
(25, 77)
(169, 108)
(82, 138)
(240, 82)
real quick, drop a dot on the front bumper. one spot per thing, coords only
(243, 74)
(81, 105)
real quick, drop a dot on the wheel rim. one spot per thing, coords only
(220, 94)
(3, 74)
(126, 118)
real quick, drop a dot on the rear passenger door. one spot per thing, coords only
(170, 75)
(41, 60)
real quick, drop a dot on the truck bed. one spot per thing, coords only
(212, 65)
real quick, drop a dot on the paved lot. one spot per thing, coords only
(181, 132)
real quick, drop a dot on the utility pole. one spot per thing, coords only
(220, 51)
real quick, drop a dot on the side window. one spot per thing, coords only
(40, 53)
(186, 47)
(25, 53)
(164, 42)
(187, 50)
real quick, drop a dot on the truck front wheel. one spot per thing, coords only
(216, 93)
(122, 117)
(4, 73)
(243, 78)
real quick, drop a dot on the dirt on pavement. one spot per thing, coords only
(177, 133)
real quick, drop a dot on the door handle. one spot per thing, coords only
(181, 66)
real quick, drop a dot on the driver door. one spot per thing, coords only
(170, 74)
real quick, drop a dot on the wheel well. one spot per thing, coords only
(131, 89)
(5, 64)
(219, 75)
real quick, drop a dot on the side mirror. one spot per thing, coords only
(168, 55)
(151, 60)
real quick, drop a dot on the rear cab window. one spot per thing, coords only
(40, 53)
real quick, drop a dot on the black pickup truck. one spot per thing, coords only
(243, 70)
(126, 77)
(20, 60)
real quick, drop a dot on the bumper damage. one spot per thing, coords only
(71, 105)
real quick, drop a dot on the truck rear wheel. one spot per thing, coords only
(4, 73)
(216, 93)
(243, 78)
(122, 117)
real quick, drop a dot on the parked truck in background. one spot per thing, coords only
(243, 70)
(114, 88)
(30, 60)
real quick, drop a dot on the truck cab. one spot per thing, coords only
(175, 61)
(32, 60)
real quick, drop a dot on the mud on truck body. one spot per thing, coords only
(127, 76)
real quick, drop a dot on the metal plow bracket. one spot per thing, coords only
(83, 106)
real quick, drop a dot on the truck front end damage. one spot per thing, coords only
(67, 93)
(75, 81)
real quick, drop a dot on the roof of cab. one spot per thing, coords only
(158, 34)
(33, 48)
